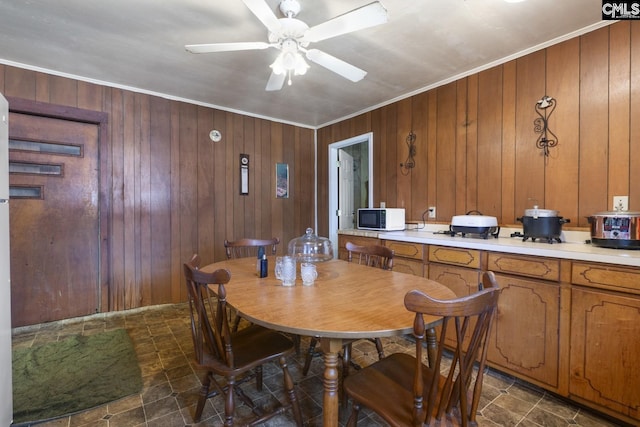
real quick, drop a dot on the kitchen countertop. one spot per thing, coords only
(572, 247)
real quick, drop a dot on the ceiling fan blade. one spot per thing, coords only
(364, 17)
(263, 12)
(276, 81)
(336, 65)
(225, 47)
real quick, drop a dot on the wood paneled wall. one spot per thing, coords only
(476, 145)
(172, 191)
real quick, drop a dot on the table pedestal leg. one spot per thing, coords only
(330, 401)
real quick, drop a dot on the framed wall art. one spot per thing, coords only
(282, 181)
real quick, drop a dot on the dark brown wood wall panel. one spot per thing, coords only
(170, 190)
(142, 195)
(124, 283)
(561, 171)
(278, 207)
(378, 124)
(619, 97)
(595, 79)
(305, 178)
(322, 161)
(471, 150)
(446, 150)
(175, 256)
(490, 142)
(188, 182)
(419, 174)
(530, 162)
(19, 83)
(508, 147)
(462, 127)
(594, 123)
(160, 200)
(634, 123)
(390, 154)
(403, 184)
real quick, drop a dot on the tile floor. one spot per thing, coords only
(163, 343)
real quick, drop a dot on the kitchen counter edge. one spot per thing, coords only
(577, 251)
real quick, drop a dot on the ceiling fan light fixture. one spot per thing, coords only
(292, 36)
(290, 62)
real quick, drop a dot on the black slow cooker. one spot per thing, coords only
(542, 224)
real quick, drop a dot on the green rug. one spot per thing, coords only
(60, 378)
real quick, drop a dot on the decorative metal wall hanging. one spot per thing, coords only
(547, 139)
(410, 162)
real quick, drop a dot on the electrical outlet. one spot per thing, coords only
(432, 212)
(620, 203)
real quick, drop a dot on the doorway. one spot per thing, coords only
(55, 218)
(350, 182)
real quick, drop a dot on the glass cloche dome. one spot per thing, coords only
(311, 248)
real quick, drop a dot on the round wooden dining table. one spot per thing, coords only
(347, 301)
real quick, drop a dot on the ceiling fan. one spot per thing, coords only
(291, 37)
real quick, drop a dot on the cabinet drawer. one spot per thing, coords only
(357, 240)
(406, 249)
(455, 256)
(409, 266)
(529, 266)
(606, 277)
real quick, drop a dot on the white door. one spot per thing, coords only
(345, 191)
(334, 185)
(6, 384)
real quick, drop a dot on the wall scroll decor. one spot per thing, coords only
(410, 162)
(547, 139)
(282, 181)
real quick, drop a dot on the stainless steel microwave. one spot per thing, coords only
(382, 219)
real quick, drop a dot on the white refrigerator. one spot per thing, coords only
(6, 385)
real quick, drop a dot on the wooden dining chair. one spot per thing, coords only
(232, 356)
(245, 248)
(404, 391)
(248, 247)
(371, 255)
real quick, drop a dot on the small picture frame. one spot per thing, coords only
(282, 181)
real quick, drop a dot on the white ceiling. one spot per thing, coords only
(139, 45)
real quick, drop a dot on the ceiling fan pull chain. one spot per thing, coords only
(289, 73)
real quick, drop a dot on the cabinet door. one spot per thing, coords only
(605, 350)
(462, 281)
(524, 337)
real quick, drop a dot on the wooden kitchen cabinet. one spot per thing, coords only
(457, 268)
(462, 281)
(605, 339)
(568, 326)
(525, 338)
